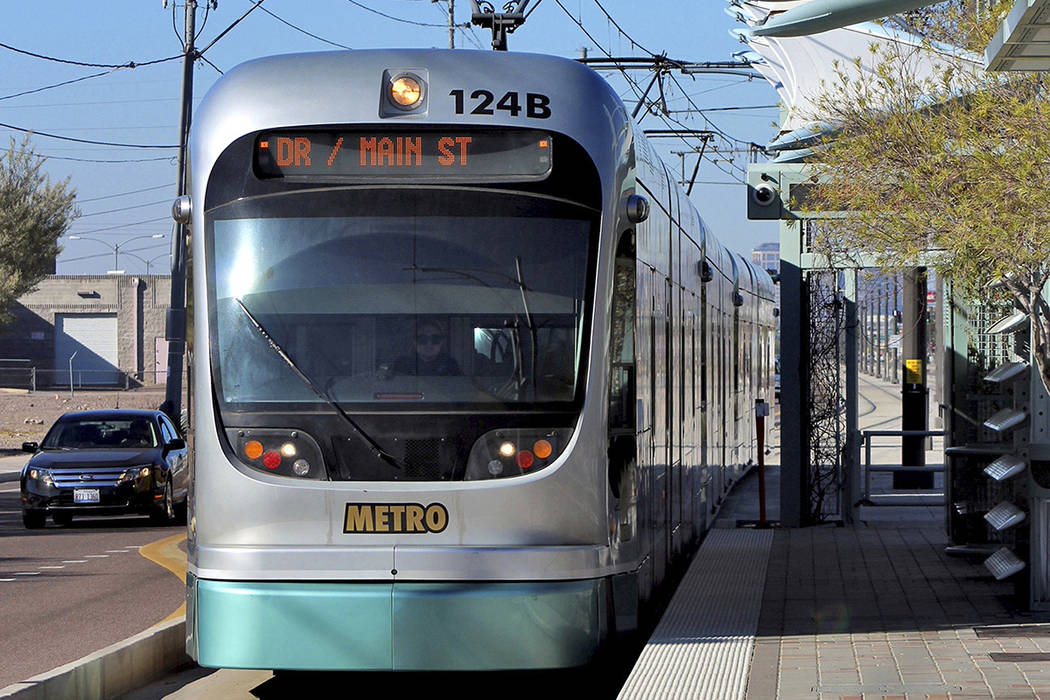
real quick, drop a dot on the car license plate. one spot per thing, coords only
(85, 495)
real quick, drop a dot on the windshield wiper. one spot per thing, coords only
(378, 451)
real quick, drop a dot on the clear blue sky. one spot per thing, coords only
(131, 199)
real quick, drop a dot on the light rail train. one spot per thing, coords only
(470, 376)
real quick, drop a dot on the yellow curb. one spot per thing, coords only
(166, 553)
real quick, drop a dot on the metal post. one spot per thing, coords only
(761, 411)
(71, 372)
(913, 384)
(851, 452)
(794, 491)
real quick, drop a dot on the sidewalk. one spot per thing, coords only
(877, 610)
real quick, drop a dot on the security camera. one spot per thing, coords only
(764, 195)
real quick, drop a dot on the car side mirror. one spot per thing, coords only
(30, 447)
(176, 444)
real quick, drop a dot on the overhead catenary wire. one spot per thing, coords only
(303, 31)
(663, 117)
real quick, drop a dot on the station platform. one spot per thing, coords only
(875, 609)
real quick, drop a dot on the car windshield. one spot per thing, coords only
(106, 433)
(430, 296)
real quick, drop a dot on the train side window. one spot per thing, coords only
(622, 368)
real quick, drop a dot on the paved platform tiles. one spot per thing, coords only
(871, 610)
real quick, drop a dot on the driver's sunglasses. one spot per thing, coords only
(429, 339)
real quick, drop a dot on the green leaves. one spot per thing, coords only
(34, 213)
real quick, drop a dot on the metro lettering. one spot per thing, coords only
(382, 518)
(396, 513)
(358, 518)
(410, 518)
(414, 518)
(436, 517)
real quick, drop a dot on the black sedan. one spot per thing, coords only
(105, 463)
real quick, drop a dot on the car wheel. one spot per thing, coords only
(62, 519)
(165, 512)
(33, 519)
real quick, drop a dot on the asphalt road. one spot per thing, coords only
(67, 592)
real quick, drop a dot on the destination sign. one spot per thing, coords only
(401, 155)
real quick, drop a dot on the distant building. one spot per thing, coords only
(103, 330)
(767, 256)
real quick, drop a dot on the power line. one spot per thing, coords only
(396, 19)
(135, 206)
(56, 85)
(76, 140)
(300, 29)
(96, 160)
(122, 194)
(224, 32)
(127, 64)
(41, 105)
(105, 229)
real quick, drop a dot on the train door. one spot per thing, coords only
(672, 417)
(691, 445)
(661, 424)
(705, 406)
(645, 366)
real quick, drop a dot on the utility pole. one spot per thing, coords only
(451, 24)
(175, 326)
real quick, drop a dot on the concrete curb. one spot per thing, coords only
(113, 671)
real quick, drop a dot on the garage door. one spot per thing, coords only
(93, 337)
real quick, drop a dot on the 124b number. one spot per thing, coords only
(535, 105)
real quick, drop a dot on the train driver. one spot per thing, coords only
(431, 354)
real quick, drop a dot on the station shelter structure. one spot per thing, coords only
(993, 405)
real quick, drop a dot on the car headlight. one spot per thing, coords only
(134, 473)
(42, 476)
(515, 451)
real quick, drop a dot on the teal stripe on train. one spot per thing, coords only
(404, 626)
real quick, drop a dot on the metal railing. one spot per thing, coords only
(33, 379)
(866, 439)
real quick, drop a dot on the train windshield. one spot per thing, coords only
(395, 296)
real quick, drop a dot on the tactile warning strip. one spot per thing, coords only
(702, 646)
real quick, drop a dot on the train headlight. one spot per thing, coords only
(515, 451)
(290, 453)
(406, 91)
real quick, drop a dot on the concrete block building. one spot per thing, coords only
(91, 330)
